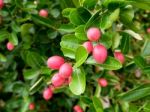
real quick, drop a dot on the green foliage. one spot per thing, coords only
(24, 73)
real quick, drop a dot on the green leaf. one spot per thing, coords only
(94, 20)
(116, 40)
(112, 4)
(139, 61)
(146, 70)
(34, 60)
(44, 21)
(125, 43)
(31, 73)
(90, 4)
(106, 40)
(80, 32)
(69, 45)
(79, 16)
(97, 104)
(80, 56)
(66, 28)
(66, 12)
(78, 83)
(2, 58)
(13, 38)
(135, 94)
(146, 48)
(15, 27)
(110, 64)
(108, 19)
(3, 35)
(85, 99)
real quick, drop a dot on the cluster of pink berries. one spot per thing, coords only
(99, 51)
(63, 76)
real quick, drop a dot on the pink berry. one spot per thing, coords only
(88, 45)
(100, 53)
(31, 106)
(1, 4)
(102, 82)
(65, 70)
(43, 13)
(47, 93)
(93, 34)
(77, 108)
(55, 62)
(148, 30)
(57, 81)
(10, 46)
(119, 56)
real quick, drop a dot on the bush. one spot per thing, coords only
(101, 50)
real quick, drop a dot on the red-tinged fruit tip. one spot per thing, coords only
(31, 106)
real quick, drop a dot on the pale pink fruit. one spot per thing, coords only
(43, 13)
(148, 30)
(55, 62)
(102, 82)
(65, 70)
(31, 106)
(77, 108)
(1, 4)
(10, 46)
(57, 81)
(100, 53)
(119, 56)
(47, 93)
(88, 45)
(93, 34)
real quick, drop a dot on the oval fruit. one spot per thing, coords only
(65, 70)
(10, 46)
(55, 62)
(93, 34)
(47, 93)
(57, 81)
(102, 82)
(100, 53)
(43, 13)
(119, 56)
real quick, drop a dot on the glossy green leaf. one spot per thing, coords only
(146, 48)
(135, 94)
(108, 19)
(79, 16)
(3, 35)
(80, 56)
(97, 104)
(139, 61)
(110, 63)
(80, 32)
(69, 45)
(13, 38)
(2, 58)
(125, 43)
(94, 20)
(31, 73)
(78, 83)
